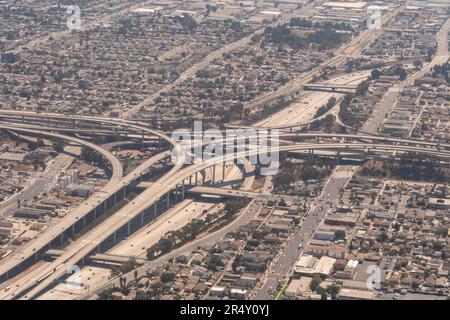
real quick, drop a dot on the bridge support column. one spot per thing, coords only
(310, 154)
(223, 170)
(142, 218)
(190, 180)
(155, 209)
(338, 157)
(196, 178)
(243, 172)
(182, 191)
(114, 237)
(128, 228)
(73, 229)
(214, 174)
(168, 200)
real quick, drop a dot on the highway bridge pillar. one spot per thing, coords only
(338, 157)
(203, 176)
(142, 218)
(73, 229)
(168, 200)
(114, 237)
(156, 209)
(95, 213)
(182, 191)
(310, 154)
(223, 170)
(190, 180)
(177, 192)
(128, 228)
(243, 172)
(214, 174)
(196, 178)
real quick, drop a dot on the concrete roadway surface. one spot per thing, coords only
(205, 240)
(281, 267)
(137, 244)
(352, 49)
(158, 190)
(303, 110)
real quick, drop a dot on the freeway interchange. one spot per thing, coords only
(149, 200)
(19, 282)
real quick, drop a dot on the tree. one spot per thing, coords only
(106, 294)
(309, 173)
(188, 22)
(215, 262)
(282, 182)
(418, 64)
(382, 236)
(375, 74)
(339, 235)
(322, 292)
(316, 280)
(362, 88)
(58, 146)
(167, 277)
(333, 290)
(233, 206)
(91, 156)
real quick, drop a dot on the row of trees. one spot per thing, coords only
(190, 231)
(284, 181)
(331, 290)
(324, 39)
(412, 166)
(308, 24)
(325, 108)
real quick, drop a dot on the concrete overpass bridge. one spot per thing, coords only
(231, 193)
(151, 198)
(97, 257)
(88, 211)
(137, 212)
(328, 87)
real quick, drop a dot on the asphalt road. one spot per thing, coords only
(282, 265)
(40, 184)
